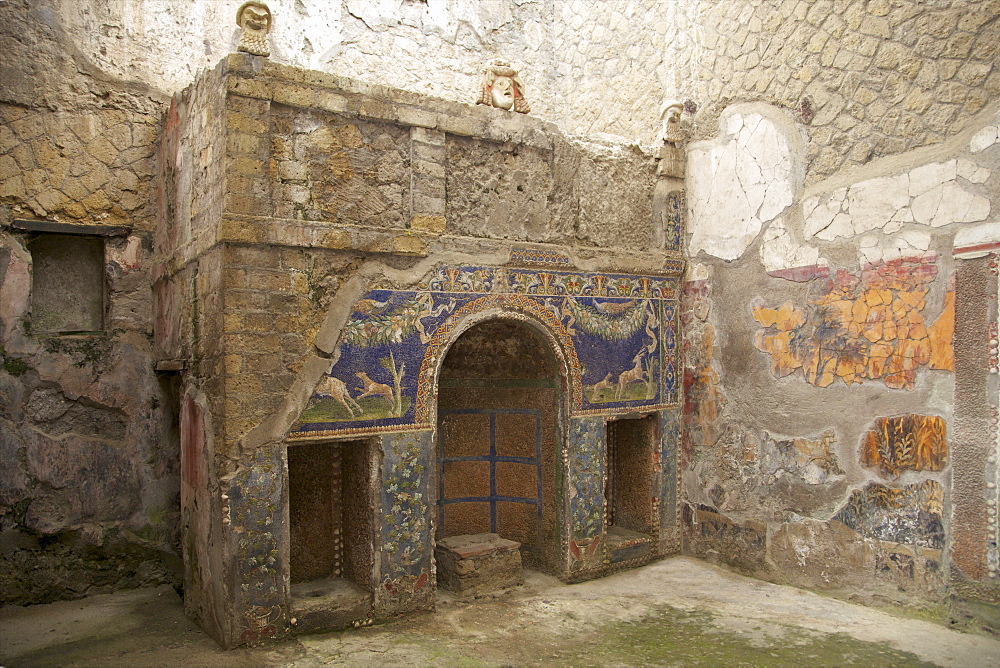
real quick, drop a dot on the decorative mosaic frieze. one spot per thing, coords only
(538, 256)
(614, 334)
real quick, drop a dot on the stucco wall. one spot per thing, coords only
(589, 66)
(847, 159)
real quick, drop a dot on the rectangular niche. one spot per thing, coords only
(331, 496)
(67, 283)
(628, 490)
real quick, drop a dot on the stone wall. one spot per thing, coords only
(88, 493)
(852, 170)
(866, 78)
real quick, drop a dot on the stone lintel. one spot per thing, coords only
(86, 229)
(260, 78)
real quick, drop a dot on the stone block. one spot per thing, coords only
(425, 136)
(672, 161)
(425, 223)
(478, 563)
(417, 117)
(295, 96)
(331, 101)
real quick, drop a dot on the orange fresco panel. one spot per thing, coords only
(867, 328)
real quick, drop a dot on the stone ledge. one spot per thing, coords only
(477, 545)
(420, 240)
(255, 77)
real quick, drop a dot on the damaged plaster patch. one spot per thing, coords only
(927, 195)
(985, 138)
(910, 515)
(977, 235)
(874, 250)
(780, 251)
(811, 459)
(738, 183)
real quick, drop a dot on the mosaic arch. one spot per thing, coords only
(616, 335)
(515, 307)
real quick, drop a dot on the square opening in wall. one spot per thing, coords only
(629, 488)
(331, 525)
(67, 283)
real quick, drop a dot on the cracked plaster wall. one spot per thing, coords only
(88, 490)
(855, 274)
(582, 60)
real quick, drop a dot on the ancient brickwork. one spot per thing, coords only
(269, 317)
(865, 78)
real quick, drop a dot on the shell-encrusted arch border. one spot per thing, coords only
(505, 306)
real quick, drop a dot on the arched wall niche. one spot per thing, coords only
(501, 387)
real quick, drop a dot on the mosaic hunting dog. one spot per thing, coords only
(336, 389)
(373, 389)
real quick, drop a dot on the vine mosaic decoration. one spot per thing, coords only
(615, 333)
(255, 497)
(906, 443)
(675, 220)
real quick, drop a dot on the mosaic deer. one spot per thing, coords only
(336, 389)
(636, 373)
(601, 386)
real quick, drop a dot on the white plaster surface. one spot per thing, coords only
(779, 250)
(926, 195)
(985, 138)
(975, 235)
(737, 183)
(589, 66)
(874, 249)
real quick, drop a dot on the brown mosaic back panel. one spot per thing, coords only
(497, 403)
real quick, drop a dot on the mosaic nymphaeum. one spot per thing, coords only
(855, 329)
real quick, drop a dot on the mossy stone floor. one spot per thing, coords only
(677, 612)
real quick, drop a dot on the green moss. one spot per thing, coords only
(678, 637)
(15, 366)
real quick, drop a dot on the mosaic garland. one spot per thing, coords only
(394, 341)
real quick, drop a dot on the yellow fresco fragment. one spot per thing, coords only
(906, 443)
(856, 329)
(941, 334)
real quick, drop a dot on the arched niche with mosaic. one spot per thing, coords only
(616, 331)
